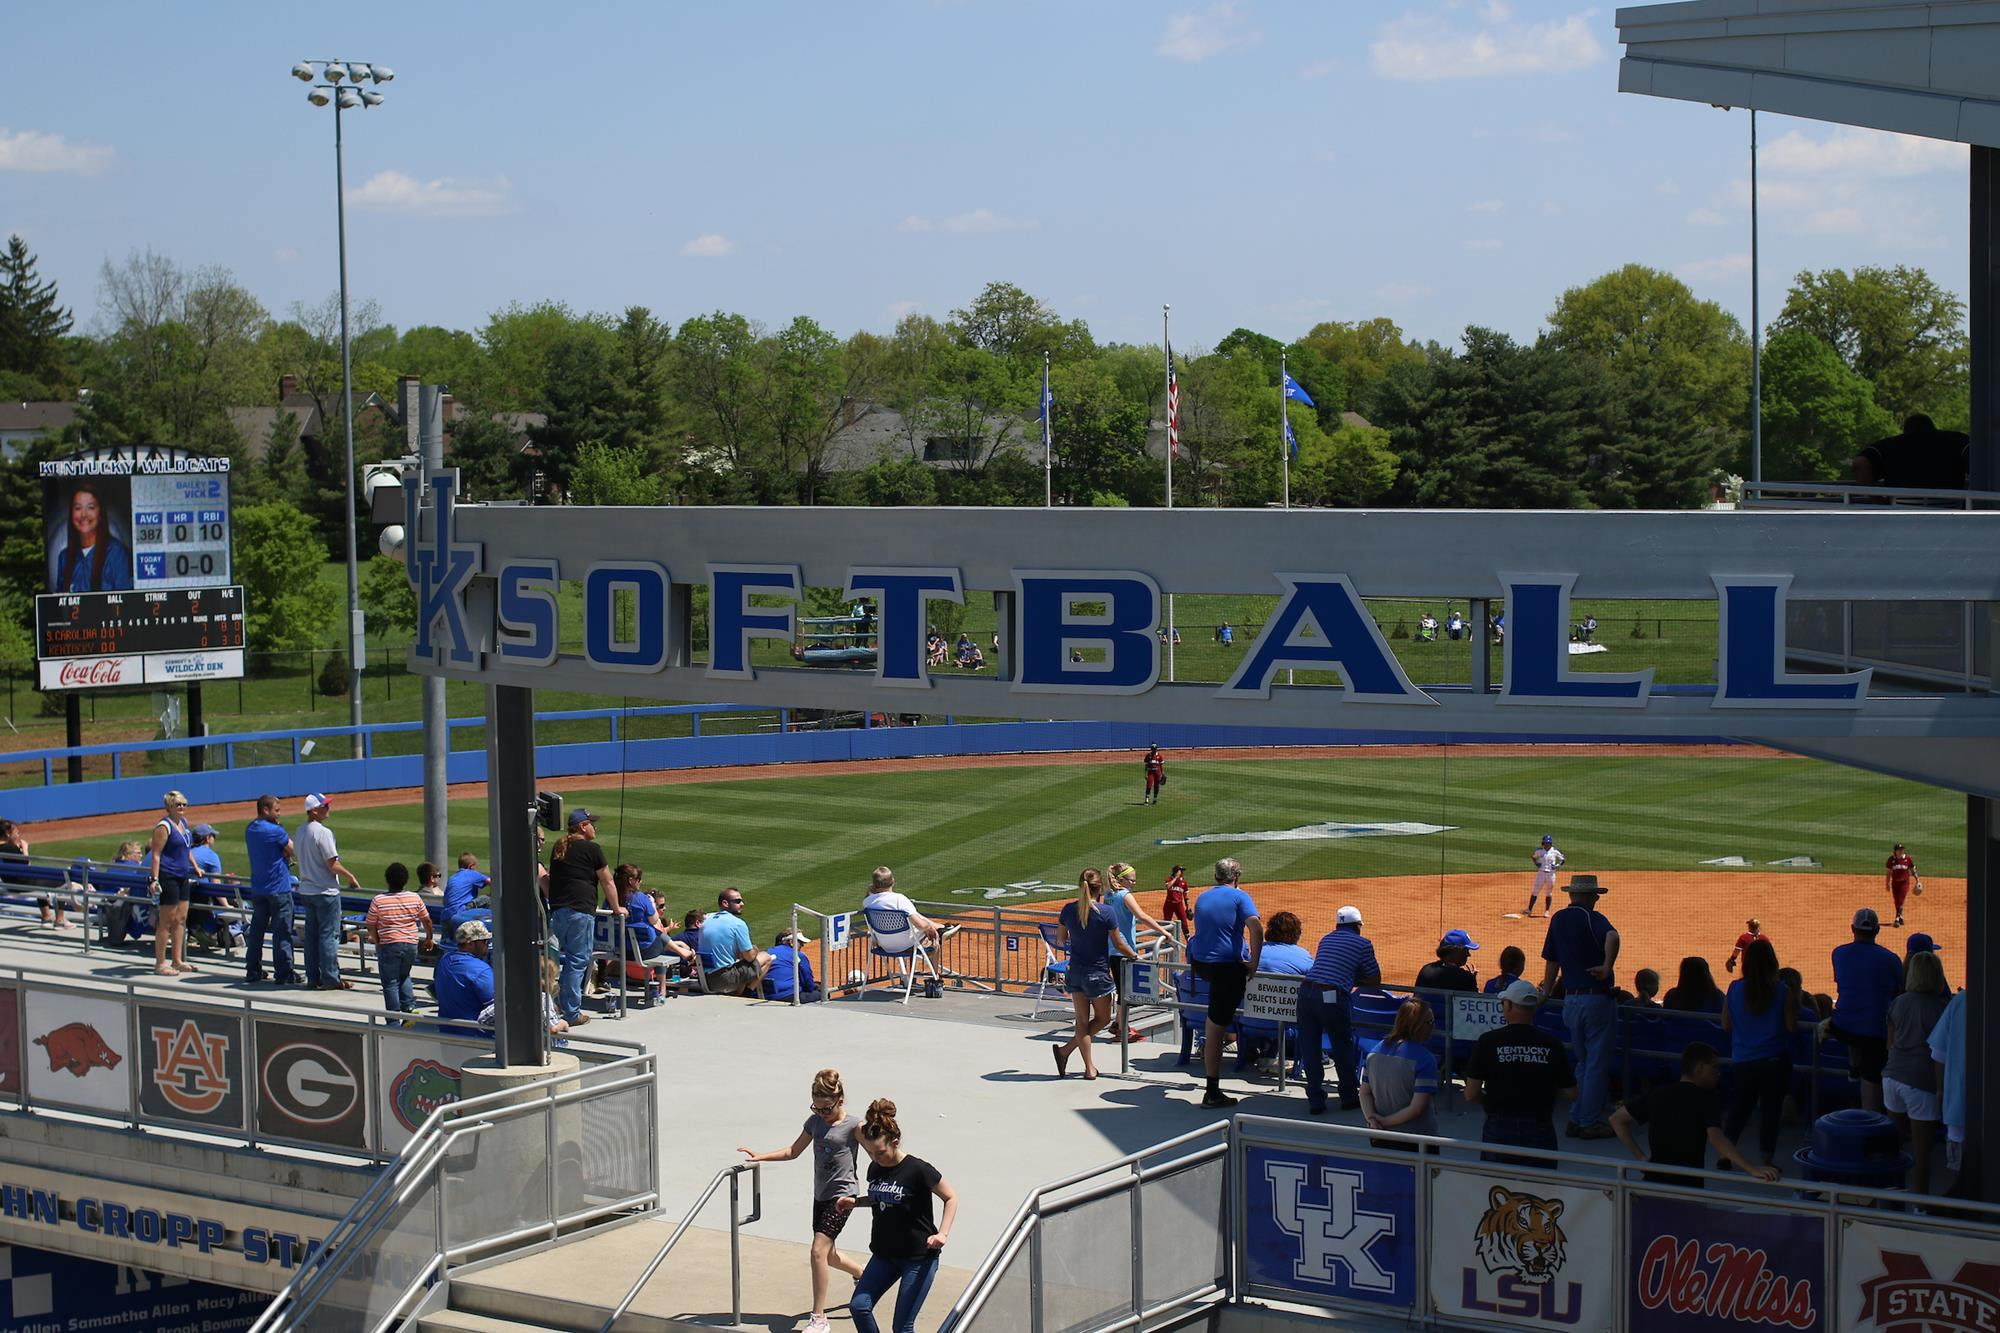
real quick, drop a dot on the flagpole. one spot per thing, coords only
(1048, 441)
(1284, 430)
(1167, 348)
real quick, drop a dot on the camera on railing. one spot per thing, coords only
(549, 811)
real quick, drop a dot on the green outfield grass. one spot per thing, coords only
(813, 840)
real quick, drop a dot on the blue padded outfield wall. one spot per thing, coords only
(226, 782)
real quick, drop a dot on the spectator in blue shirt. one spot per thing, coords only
(731, 964)
(463, 887)
(1400, 1080)
(1947, 1043)
(1512, 964)
(1283, 956)
(1088, 929)
(464, 978)
(1759, 1014)
(785, 950)
(1583, 948)
(1345, 959)
(1123, 900)
(210, 929)
(270, 893)
(1224, 917)
(1866, 978)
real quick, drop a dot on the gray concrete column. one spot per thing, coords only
(519, 933)
(1983, 322)
(1982, 1014)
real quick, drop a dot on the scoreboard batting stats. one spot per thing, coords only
(139, 591)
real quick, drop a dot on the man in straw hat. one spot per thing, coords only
(1582, 948)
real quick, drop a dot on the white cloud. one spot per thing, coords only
(1668, 188)
(1318, 69)
(709, 245)
(1483, 243)
(1874, 153)
(1847, 221)
(285, 255)
(1705, 217)
(1487, 206)
(965, 224)
(1426, 46)
(33, 150)
(1201, 33)
(1401, 292)
(1722, 266)
(893, 312)
(443, 196)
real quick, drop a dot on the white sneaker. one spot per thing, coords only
(818, 1324)
(948, 931)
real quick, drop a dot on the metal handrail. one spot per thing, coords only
(422, 1157)
(1028, 1216)
(730, 1174)
(1799, 495)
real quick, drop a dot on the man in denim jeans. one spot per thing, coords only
(320, 874)
(270, 893)
(578, 872)
(1583, 948)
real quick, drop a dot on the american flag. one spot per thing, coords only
(1173, 406)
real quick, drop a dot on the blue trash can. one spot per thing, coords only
(1855, 1147)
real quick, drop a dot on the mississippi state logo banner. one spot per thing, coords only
(1896, 1280)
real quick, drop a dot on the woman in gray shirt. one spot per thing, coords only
(829, 1131)
(1909, 1080)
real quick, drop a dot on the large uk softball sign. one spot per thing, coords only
(1082, 640)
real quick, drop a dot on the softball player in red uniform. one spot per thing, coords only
(1156, 774)
(1902, 874)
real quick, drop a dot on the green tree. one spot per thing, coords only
(517, 341)
(450, 357)
(278, 559)
(388, 599)
(609, 475)
(281, 473)
(1894, 327)
(973, 402)
(897, 480)
(1100, 435)
(1818, 413)
(1364, 351)
(577, 402)
(33, 320)
(183, 347)
(714, 374)
(1015, 326)
(1348, 467)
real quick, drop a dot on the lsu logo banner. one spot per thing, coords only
(1322, 1226)
(1523, 1253)
(190, 1067)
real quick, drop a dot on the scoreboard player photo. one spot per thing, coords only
(87, 524)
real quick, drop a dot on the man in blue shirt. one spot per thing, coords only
(778, 981)
(466, 884)
(1223, 917)
(730, 963)
(1866, 977)
(270, 893)
(464, 978)
(1345, 959)
(1583, 948)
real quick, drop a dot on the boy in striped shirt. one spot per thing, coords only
(394, 917)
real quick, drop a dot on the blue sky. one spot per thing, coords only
(1261, 164)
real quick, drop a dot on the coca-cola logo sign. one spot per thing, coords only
(90, 673)
(1713, 1265)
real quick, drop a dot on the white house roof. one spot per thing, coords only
(1923, 67)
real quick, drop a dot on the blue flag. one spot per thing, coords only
(1048, 407)
(1291, 439)
(1297, 394)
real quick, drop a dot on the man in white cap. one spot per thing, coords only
(1345, 959)
(1516, 1073)
(320, 874)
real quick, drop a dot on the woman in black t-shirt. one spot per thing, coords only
(906, 1239)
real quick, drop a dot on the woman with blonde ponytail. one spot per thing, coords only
(1089, 930)
(830, 1132)
(906, 1239)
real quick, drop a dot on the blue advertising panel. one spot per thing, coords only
(1701, 1266)
(1331, 1227)
(43, 1291)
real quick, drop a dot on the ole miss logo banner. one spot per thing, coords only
(1894, 1280)
(1698, 1266)
(191, 1066)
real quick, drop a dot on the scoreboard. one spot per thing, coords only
(139, 592)
(180, 531)
(169, 636)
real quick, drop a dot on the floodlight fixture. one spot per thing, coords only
(319, 97)
(347, 99)
(336, 71)
(357, 70)
(371, 98)
(381, 73)
(302, 72)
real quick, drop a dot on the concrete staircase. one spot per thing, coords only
(572, 1287)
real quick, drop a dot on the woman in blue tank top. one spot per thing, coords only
(173, 869)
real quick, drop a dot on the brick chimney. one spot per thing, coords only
(408, 398)
(287, 386)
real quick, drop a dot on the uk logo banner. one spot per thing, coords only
(1325, 1226)
(1895, 1280)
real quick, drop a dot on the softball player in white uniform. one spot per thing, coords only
(1547, 860)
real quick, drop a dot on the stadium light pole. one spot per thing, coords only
(351, 96)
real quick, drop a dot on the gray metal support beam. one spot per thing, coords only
(1983, 310)
(519, 934)
(1982, 1016)
(437, 739)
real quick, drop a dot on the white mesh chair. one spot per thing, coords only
(1055, 966)
(893, 922)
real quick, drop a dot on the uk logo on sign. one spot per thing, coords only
(440, 571)
(1331, 1226)
(190, 1066)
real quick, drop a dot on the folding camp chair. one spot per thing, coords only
(891, 922)
(1055, 967)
